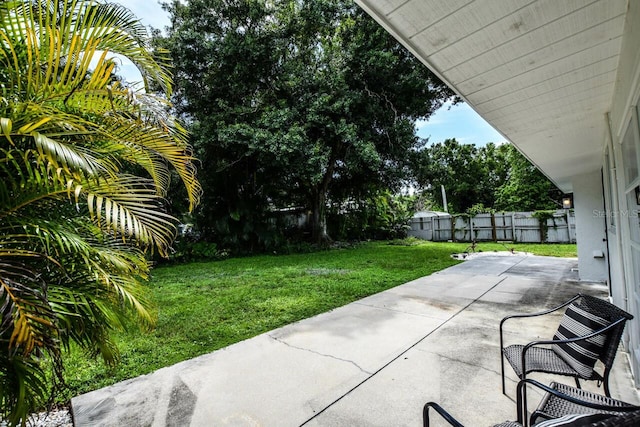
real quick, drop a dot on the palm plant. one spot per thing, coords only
(85, 163)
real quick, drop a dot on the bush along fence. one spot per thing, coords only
(525, 227)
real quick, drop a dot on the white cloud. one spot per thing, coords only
(151, 14)
(148, 11)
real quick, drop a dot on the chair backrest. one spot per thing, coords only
(630, 419)
(612, 313)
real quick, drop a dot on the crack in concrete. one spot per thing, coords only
(403, 352)
(321, 354)
(399, 311)
(451, 359)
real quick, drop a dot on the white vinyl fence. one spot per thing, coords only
(524, 227)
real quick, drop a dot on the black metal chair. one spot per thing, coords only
(540, 356)
(561, 399)
(561, 403)
(450, 419)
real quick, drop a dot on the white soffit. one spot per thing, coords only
(541, 72)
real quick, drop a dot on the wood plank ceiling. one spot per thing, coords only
(541, 72)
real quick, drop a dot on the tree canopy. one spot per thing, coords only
(496, 177)
(293, 104)
(526, 188)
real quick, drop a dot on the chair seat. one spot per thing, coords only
(541, 359)
(554, 407)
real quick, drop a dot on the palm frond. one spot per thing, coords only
(127, 206)
(29, 178)
(5, 128)
(23, 382)
(82, 29)
(27, 319)
(130, 208)
(74, 222)
(164, 144)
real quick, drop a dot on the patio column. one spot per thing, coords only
(590, 227)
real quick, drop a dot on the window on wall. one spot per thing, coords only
(609, 176)
(630, 152)
(630, 145)
(630, 148)
(634, 220)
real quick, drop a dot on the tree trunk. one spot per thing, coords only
(319, 199)
(318, 219)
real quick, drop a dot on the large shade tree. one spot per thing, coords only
(525, 187)
(293, 103)
(492, 176)
(85, 163)
(456, 167)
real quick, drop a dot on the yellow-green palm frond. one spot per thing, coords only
(27, 320)
(47, 51)
(28, 331)
(65, 36)
(125, 206)
(86, 319)
(162, 146)
(29, 177)
(110, 276)
(85, 162)
(23, 383)
(119, 31)
(130, 208)
(93, 275)
(78, 248)
(148, 136)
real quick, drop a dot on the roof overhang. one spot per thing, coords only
(541, 72)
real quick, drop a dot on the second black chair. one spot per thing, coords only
(590, 330)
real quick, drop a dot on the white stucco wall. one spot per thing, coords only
(625, 288)
(590, 227)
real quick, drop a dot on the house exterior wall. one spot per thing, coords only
(623, 152)
(590, 227)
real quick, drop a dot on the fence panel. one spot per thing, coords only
(482, 225)
(557, 229)
(441, 228)
(527, 228)
(504, 226)
(507, 226)
(422, 228)
(561, 228)
(462, 230)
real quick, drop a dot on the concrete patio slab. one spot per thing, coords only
(364, 335)
(373, 362)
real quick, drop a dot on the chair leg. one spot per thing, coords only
(577, 382)
(521, 403)
(440, 410)
(502, 366)
(605, 382)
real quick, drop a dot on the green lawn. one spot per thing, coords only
(209, 305)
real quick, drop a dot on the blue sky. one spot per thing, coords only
(459, 121)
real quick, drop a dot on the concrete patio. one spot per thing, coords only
(374, 362)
